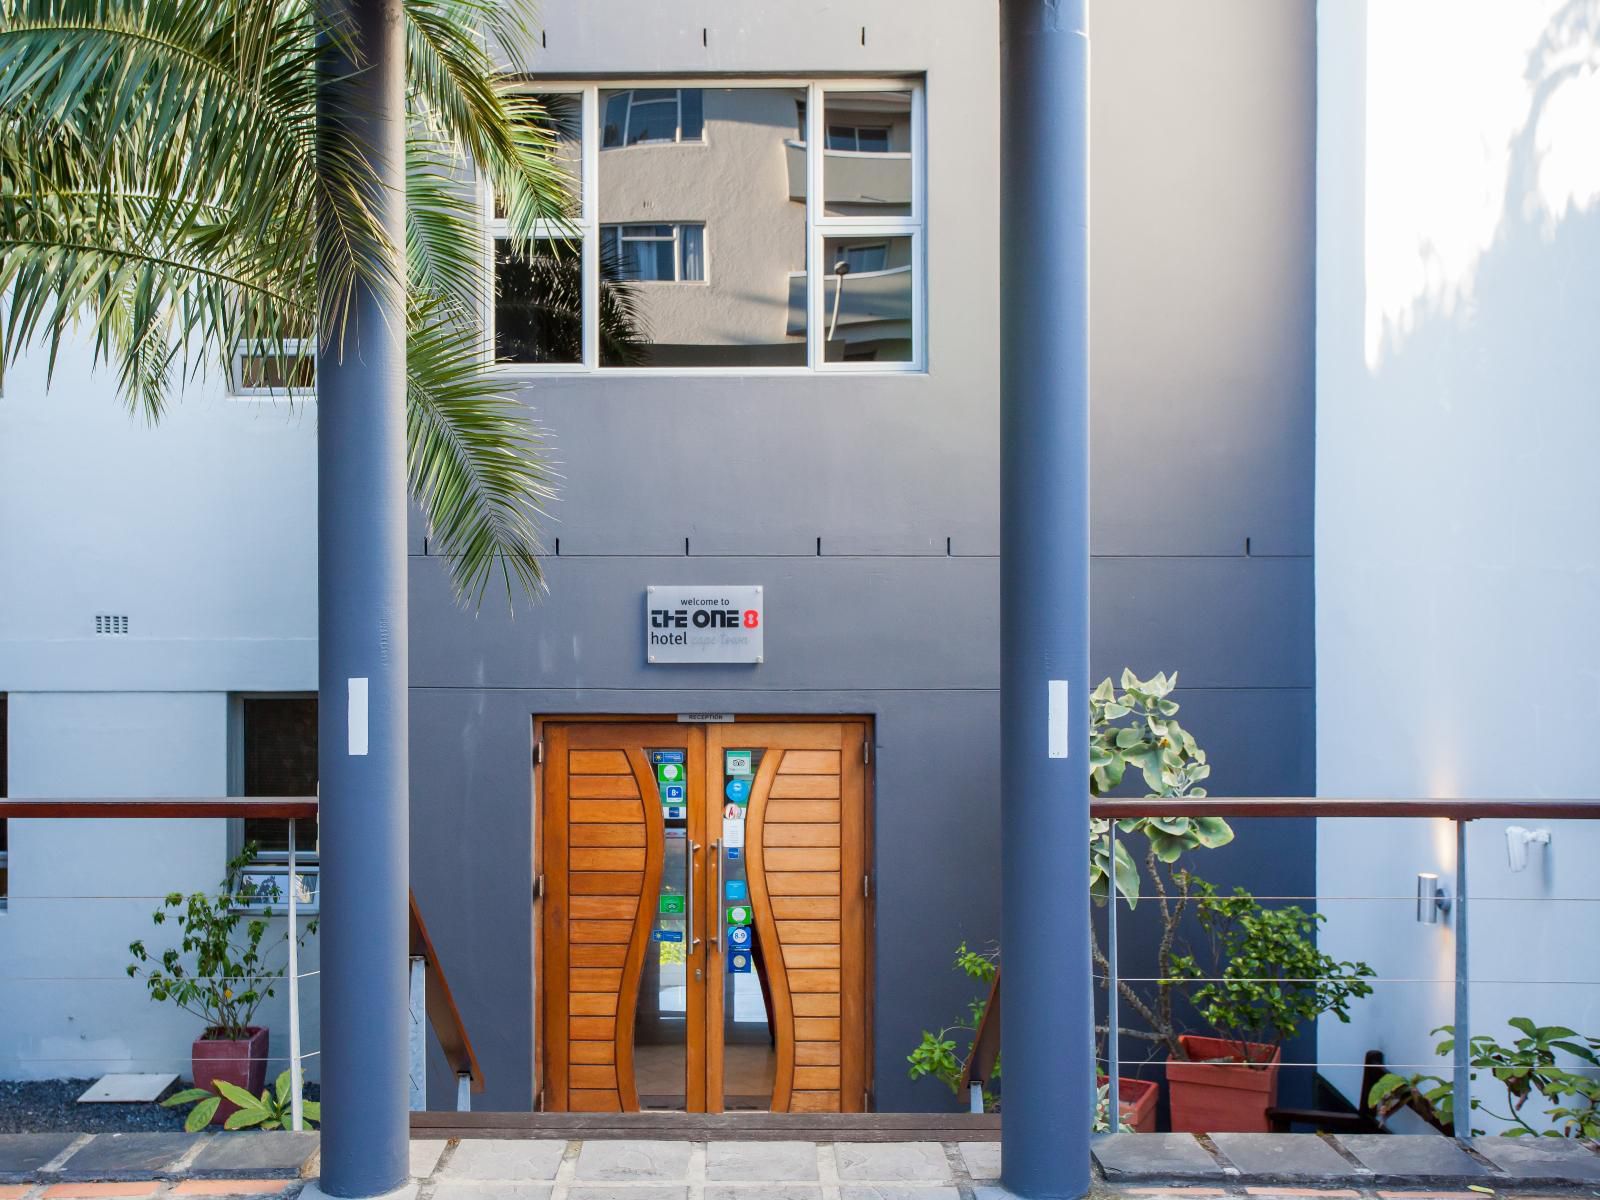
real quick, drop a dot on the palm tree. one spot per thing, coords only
(161, 179)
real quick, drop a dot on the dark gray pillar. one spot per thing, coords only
(1046, 1036)
(361, 586)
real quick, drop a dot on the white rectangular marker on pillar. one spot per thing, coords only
(1059, 737)
(358, 716)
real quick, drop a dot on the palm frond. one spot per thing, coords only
(476, 458)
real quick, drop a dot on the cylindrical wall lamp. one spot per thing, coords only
(1431, 898)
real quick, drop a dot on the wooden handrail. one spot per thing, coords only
(122, 807)
(1120, 807)
(442, 1012)
(443, 1015)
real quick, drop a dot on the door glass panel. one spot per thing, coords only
(749, 1060)
(661, 1026)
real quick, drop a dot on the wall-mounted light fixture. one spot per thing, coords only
(1431, 898)
(1518, 840)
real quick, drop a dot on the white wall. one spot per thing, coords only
(1457, 548)
(201, 530)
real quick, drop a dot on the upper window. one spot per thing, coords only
(807, 197)
(656, 253)
(646, 115)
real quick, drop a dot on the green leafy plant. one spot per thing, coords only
(1136, 727)
(219, 969)
(273, 1109)
(1525, 1068)
(1267, 976)
(937, 1055)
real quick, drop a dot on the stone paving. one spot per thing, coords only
(159, 1166)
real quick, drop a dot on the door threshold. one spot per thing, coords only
(740, 1126)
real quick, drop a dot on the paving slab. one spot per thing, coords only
(982, 1159)
(1155, 1156)
(521, 1159)
(425, 1153)
(129, 1088)
(899, 1191)
(1552, 1160)
(22, 1154)
(749, 1162)
(1282, 1155)
(622, 1161)
(490, 1189)
(771, 1191)
(1411, 1156)
(262, 1155)
(892, 1162)
(628, 1191)
(114, 1156)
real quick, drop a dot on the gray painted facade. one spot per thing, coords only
(867, 505)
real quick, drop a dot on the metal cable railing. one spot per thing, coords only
(433, 1002)
(986, 1041)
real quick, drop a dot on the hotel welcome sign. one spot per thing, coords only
(704, 624)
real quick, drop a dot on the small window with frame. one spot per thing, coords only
(275, 754)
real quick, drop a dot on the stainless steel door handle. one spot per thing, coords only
(694, 940)
(716, 893)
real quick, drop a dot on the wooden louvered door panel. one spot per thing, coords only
(602, 839)
(804, 865)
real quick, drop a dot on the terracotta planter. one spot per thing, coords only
(1215, 1093)
(241, 1061)
(1136, 1102)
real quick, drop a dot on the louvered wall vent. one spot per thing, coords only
(109, 625)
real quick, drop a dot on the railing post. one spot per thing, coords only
(1113, 1051)
(1462, 1084)
(296, 1076)
(419, 1033)
(463, 1091)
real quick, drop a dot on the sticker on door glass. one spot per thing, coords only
(739, 914)
(737, 762)
(739, 964)
(666, 935)
(738, 889)
(739, 791)
(670, 904)
(733, 830)
(739, 937)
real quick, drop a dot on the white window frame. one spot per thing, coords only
(291, 346)
(677, 138)
(677, 249)
(585, 226)
(855, 134)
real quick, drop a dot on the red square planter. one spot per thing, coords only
(1216, 1093)
(241, 1061)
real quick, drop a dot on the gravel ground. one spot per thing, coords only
(43, 1106)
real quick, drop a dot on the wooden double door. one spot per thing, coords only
(704, 915)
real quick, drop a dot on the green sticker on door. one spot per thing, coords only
(670, 905)
(737, 762)
(739, 914)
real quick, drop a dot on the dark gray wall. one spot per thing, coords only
(1202, 388)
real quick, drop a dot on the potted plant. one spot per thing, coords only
(1136, 726)
(219, 973)
(1529, 1066)
(936, 1056)
(1267, 978)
